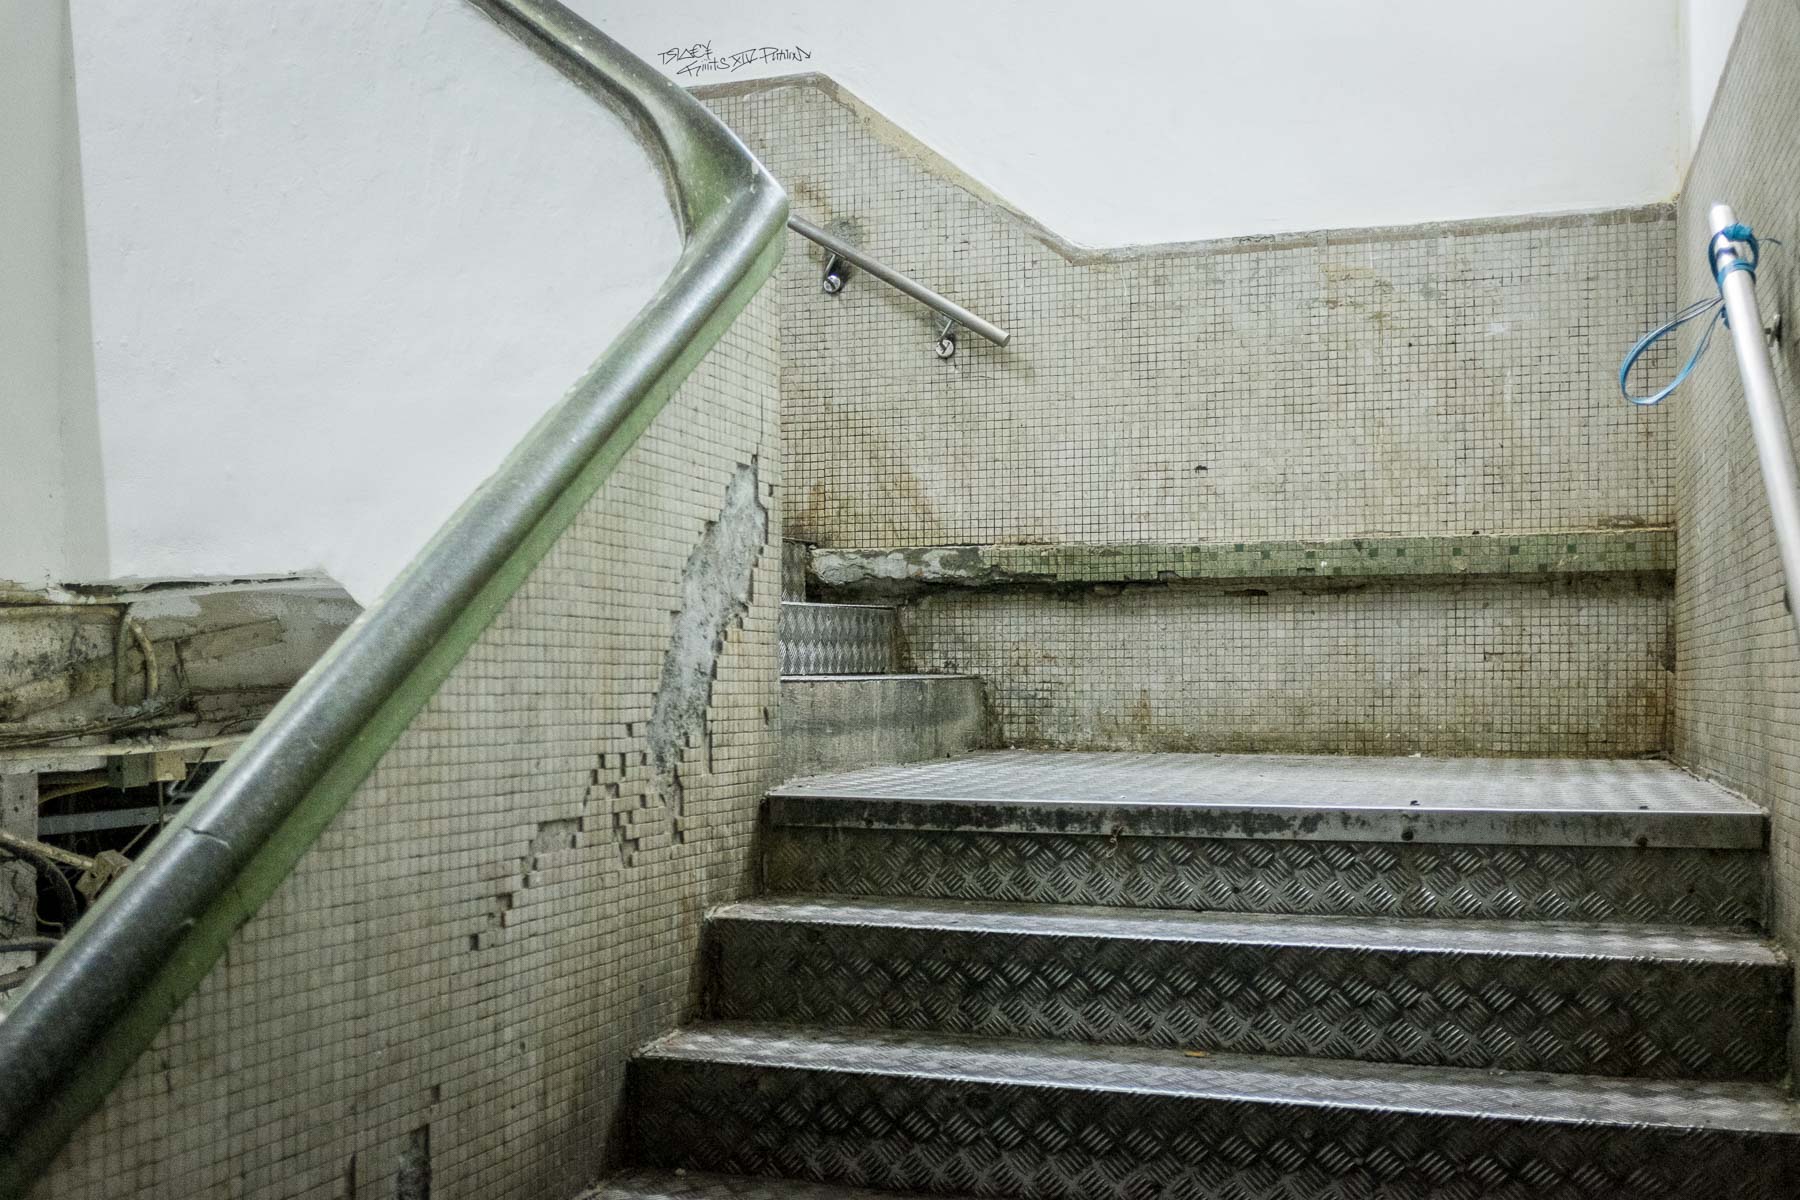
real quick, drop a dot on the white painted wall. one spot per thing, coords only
(1142, 121)
(1708, 28)
(342, 256)
(40, 534)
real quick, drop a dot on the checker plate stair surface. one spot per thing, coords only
(838, 639)
(1196, 976)
(1555, 839)
(1662, 1002)
(647, 1184)
(1011, 1118)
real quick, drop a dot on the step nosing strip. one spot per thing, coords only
(1733, 952)
(1722, 829)
(1201, 803)
(1306, 1091)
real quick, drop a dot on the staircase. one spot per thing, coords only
(847, 699)
(1119, 975)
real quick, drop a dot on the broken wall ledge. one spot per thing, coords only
(1549, 554)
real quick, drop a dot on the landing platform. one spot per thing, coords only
(1567, 802)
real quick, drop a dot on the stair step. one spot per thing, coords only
(834, 722)
(1664, 1002)
(699, 1185)
(944, 1114)
(1511, 839)
(1515, 802)
(838, 639)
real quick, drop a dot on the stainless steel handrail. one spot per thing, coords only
(912, 287)
(1768, 422)
(104, 993)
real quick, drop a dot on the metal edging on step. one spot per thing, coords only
(1283, 822)
(101, 998)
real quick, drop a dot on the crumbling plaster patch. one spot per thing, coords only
(716, 588)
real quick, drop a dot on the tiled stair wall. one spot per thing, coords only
(1446, 382)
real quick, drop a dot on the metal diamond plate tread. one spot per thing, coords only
(1022, 1119)
(838, 639)
(1517, 883)
(1664, 1002)
(1555, 802)
(699, 1185)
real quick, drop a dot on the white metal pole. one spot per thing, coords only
(1768, 422)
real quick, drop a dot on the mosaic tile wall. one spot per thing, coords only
(1737, 687)
(448, 985)
(1443, 668)
(1422, 381)
(1431, 379)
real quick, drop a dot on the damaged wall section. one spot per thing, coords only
(465, 948)
(717, 585)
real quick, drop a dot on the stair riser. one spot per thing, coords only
(1051, 1142)
(1596, 1016)
(831, 724)
(838, 639)
(1318, 878)
(795, 558)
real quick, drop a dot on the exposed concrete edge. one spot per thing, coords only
(934, 163)
(128, 591)
(1543, 555)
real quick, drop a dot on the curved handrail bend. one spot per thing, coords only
(101, 997)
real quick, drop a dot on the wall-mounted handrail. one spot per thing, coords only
(1768, 422)
(905, 283)
(101, 997)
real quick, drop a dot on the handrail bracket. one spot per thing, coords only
(953, 316)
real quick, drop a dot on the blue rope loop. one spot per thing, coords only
(1722, 241)
(1711, 306)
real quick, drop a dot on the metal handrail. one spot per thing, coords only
(1768, 423)
(948, 309)
(101, 997)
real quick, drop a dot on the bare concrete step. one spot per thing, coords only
(942, 1114)
(1498, 839)
(837, 722)
(1662, 1002)
(699, 1185)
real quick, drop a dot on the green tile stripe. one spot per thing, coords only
(1527, 555)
